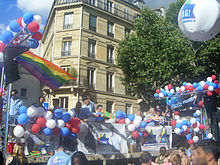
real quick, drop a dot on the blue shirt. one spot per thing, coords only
(91, 106)
(14, 106)
(149, 123)
(84, 113)
(60, 158)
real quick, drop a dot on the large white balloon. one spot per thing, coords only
(161, 95)
(202, 83)
(198, 112)
(31, 111)
(137, 123)
(48, 115)
(196, 129)
(193, 121)
(178, 121)
(177, 131)
(18, 131)
(195, 139)
(184, 127)
(60, 123)
(23, 24)
(131, 127)
(127, 121)
(210, 135)
(177, 89)
(172, 91)
(182, 88)
(37, 19)
(51, 124)
(138, 118)
(209, 79)
(211, 88)
(177, 117)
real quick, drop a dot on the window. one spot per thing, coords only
(126, 13)
(127, 31)
(109, 106)
(109, 82)
(92, 2)
(110, 54)
(63, 102)
(135, 17)
(105, 4)
(90, 78)
(115, 8)
(92, 22)
(110, 29)
(109, 6)
(67, 68)
(66, 50)
(68, 20)
(23, 92)
(91, 48)
(128, 109)
(99, 3)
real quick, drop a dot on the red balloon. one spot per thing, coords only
(190, 141)
(173, 123)
(75, 130)
(170, 86)
(74, 122)
(194, 125)
(200, 103)
(37, 36)
(213, 77)
(33, 27)
(216, 82)
(56, 131)
(217, 91)
(209, 93)
(135, 134)
(41, 121)
(202, 127)
(2, 46)
(191, 88)
(205, 87)
(35, 128)
(19, 21)
(176, 113)
(187, 87)
(67, 125)
(158, 91)
(145, 134)
(121, 121)
(187, 130)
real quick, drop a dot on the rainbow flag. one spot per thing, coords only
(45, 71)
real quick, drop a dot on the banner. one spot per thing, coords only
(158, 136)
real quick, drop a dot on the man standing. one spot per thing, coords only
(88, 104)
(150, 117)
(146, 158)
(15, 103)
(60, 158)
(184, 159)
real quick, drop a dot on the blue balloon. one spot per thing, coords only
(208, 82)
(188, 137)
(184, 122)
(181, 130)
(206, 138)
(200, 88)
(28, 17)
(7, 37)
(119, 114)
(190, 130)
(188, 123)
(164, 93)
(170, 95)
(156, 95)
(184, 84)
(195, 115)
(143, 124)
(195, 85)
(47, 131)
(162, 90)
(131, 117)
(66, 117)
(168, 101)
(64, 131)
(23, 119)
(214, 85)
(99, 118)
(33, 43)
(179, 125)
(140, 134)
(124, 115)
(198, 119)
(58, 113)
(173, 100)
(22, 109)
(72, 136)
(14, 26)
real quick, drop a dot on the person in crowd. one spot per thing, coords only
(189, 151)
(159, 117)
(208, 152)
(150, 117)
(18, 157)
(146, 158)
(88, 104)
(175, 159)
(79, 158)
(167, 114)
(60, 158)
(139, 113)
(194, 157)
(99, 108)
(184, 158)
(160, 159)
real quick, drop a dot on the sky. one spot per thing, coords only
(11, 10)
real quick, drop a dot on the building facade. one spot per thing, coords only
(82, 36)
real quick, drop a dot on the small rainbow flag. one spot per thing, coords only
(45, 71)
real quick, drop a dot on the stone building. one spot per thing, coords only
(82, 36)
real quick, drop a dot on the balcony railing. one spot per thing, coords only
(68, 26)
(110, 60)
(110, 89)
(92, 55)
(66, 53)
(91, 85)
(103, 6)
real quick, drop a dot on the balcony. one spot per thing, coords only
(110, 34)
(91, 86)
(92, 55)
(104, 7)
(66, 53)
(68, 26)
(110, 89)
(110, 60)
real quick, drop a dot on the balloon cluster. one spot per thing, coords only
(48, 122)
(189, 128)
(25, 28)
(210, 86)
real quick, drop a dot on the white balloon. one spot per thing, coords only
(177, 117)
(137, 123)
(139, 118)
(72, 114)
(37, 19)
(211, 88)
(209, 79)
(48, 115)
(18, 131)
(182, 88)
(83, 128)
(177, 89)
(51, 123)
(172, 91)
(60, 123)
(210, 135)
(195, 139)
(23, 24)
(127, 121)
(193, 120)
(196, 129)
(198, 124)
(177, 131)
(202, 83)
(31, 111)
(161, 95)
(198, 112)
(40, 111)
(184, 127)
(1, 57)
(131, 127)
(178, 121)
(166, 87)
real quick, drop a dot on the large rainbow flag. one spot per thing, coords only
(45, 71)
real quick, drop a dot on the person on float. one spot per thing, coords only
(99, 108)
(167, 114)
(150, 117)
(159, 117)
(88, 104)
(40, 103)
